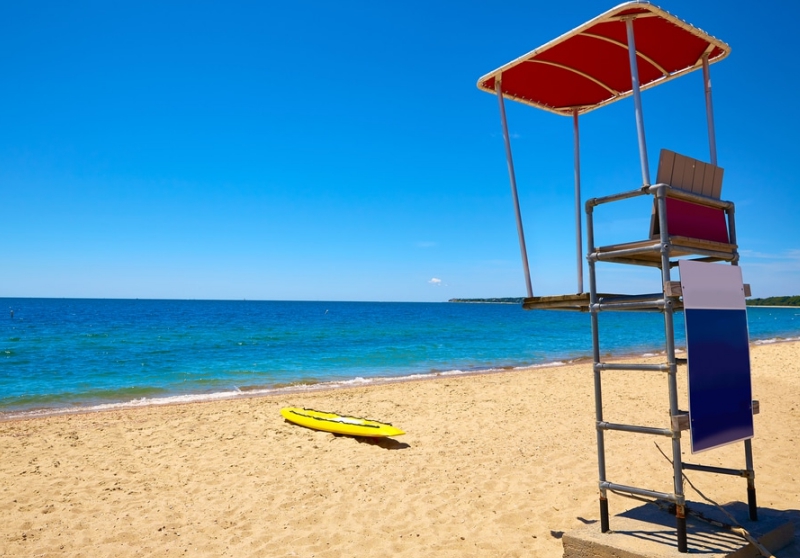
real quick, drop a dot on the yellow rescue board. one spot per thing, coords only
(337, 424)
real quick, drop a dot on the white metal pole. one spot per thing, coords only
(712, 138)
(637, 103)
(578, 228)
(512, 177)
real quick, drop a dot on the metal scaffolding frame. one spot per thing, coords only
(668, 301)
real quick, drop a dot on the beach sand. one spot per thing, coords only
(492, 465)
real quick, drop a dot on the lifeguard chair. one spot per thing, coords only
(616, 55)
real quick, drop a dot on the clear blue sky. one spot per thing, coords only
(341, 150)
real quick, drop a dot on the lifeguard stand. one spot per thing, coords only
(629, 48)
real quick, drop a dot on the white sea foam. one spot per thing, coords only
(446, 373)
(545, 365)
(236, 392)
(772, 340)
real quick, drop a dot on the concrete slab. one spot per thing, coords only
(647, 531)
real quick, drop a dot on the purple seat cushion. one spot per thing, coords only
(696, 221)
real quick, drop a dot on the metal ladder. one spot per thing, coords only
(658, 253)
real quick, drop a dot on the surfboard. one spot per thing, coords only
(338, 424)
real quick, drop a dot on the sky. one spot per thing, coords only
(317, 150)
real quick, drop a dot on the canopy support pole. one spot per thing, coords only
(578, 230)
(637, 103)
(680, 506)
(712, 147)
(513, 179)
(712, 138)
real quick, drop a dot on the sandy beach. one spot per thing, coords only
(492, 465)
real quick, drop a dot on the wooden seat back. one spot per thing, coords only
(689, 219)
(680, 171)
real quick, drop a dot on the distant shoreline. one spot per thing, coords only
(758, 302)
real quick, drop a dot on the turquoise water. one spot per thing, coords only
(75, 354)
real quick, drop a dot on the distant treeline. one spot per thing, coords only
(506, 300)
(769, 301)
(775, 301)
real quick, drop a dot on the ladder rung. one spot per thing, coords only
(638, 491)
(602, 425)
(642, 367)
(673, 288)
(646, 305)
(608, 299)
(681, 420)
(717, 470)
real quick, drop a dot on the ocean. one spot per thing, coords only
(63, 355)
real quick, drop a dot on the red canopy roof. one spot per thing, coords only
(589, 67)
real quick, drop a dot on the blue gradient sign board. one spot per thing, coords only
(718, 350)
